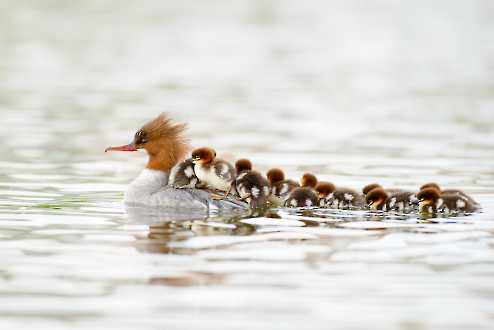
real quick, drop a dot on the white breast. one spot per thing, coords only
(208, 176)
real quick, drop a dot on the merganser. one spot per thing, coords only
(448, 191)
(280, 188)
(371, 186)
(338, 197)
(379, 199)
(166, 145)
(183, 175)
(305, 195)
(399, 196)
(213, 172)
(250, 185)
(433, 201)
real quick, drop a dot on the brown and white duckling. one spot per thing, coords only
(448, 191)
(432, 201)
(280, 187)
(398, 194)
(183, 176)
(211, 171)
(250, 185)
(371, 186)
(305, 195)
(338, 197)
(379, 199)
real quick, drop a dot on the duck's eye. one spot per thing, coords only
(140, 138)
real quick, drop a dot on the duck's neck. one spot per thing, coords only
(146, 184)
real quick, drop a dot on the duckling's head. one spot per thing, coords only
(308, 180)
(275, 175)
(163, 140)
(203, 156)
(243, 165)
(431, 185)
(428, 197)
(376, 198)
(369, 187)
(324, 189)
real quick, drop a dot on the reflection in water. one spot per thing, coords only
(193, 279)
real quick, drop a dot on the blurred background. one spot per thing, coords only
(399, 92)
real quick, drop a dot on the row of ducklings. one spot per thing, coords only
(205, 170)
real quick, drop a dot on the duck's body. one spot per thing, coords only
(250, 185)
(371, 186)
(331, 196)
(305, 195)
(280, 187)
(219, 175)
(280, 191)
(380, 199)
(449, 192)
(183, 175)
(166, 146)
(211, 171)
(344, 198)
(150, 189)
(302, 197)
(433, 201)
(400, 201)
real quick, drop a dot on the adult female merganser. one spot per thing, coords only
(433, 201)
(305, 195)
(448, 191)
(338, 197)
(211, 171)
(183, 176)
(280, 188)
(250, 185)
(379, 199)
(166, 145)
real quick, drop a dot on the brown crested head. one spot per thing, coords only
(376, 197)
(308, 180)
(203, 155)
(369, 187)
(163, 140)
(324, 188)
(275, 175)
(243, 165)
(428, 194)
(431, 185)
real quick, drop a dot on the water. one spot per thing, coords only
(399, 93)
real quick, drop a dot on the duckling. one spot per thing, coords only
(397, 193)
(325, 190)
(305, 195)
(338, 197)
(280, 188)
(183, 176)
(432, 201)
(379, 199)
(250, 185)
(448, 191)
(211, 171)
(371, 186)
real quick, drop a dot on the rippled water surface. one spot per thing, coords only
(355, 91)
